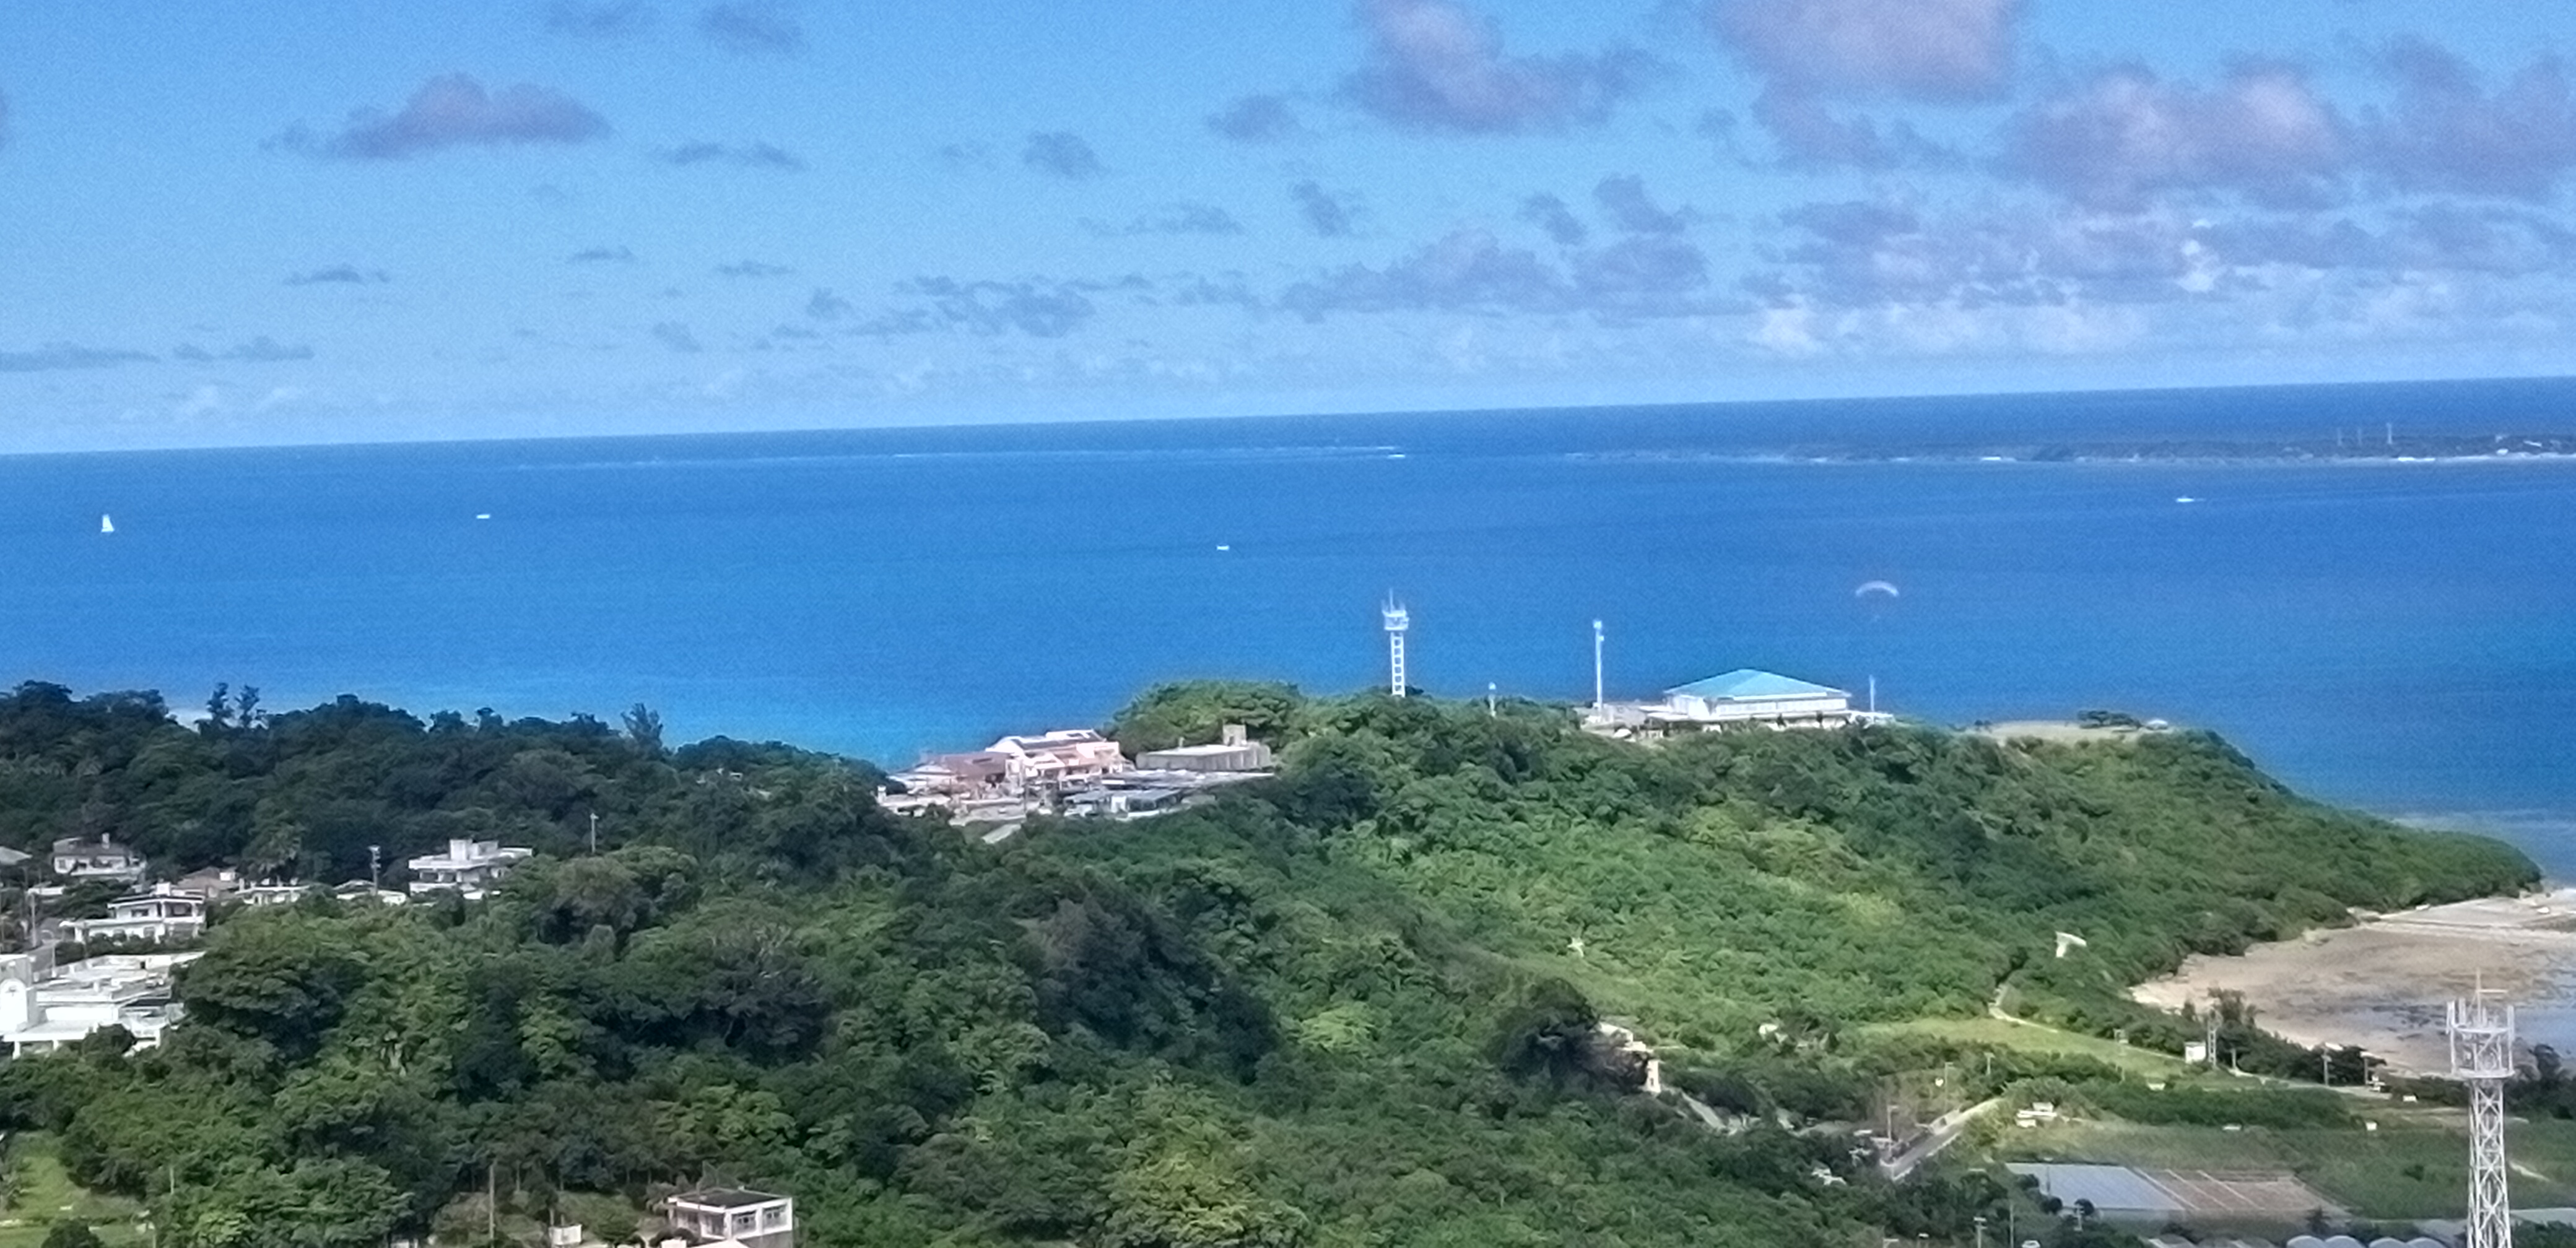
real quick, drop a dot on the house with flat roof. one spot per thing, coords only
(466, 867)
(712, 1215)
(43, 1010)
(85, 858)
(163, 912)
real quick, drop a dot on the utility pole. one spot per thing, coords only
(375, 869)
(1981, 1231)
(594, 833)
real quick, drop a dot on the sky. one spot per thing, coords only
(228, 223)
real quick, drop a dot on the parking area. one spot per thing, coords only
(2124, 1191)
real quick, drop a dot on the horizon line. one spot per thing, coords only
(1370, 413)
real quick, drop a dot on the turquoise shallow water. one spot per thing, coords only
(2396, 636)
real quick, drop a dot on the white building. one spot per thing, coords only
(80, 858)
(259, 896)
(43, 1011)
(714, 1215)
(1052, 759)
(165, 912)
(1747, 696)
(467, 867)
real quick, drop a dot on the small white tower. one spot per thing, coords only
(1396, 622)
(1598, 702)
(2482, 1058)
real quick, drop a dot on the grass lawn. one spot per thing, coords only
(41, 1194)
(2003, 1034)
(2414, 1166)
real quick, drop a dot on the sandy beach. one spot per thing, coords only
(2382, 983)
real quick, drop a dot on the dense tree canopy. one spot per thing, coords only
(1356, 1004)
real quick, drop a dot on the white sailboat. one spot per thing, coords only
(105, 525)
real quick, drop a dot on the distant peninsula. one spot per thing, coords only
(2353, 446)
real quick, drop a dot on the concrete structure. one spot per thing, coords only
(42, 1011)
(1234, 751)
(360, 890)
(1122, 802)
(467, 867)
(724, 1214)
(80, 858)
(164, 912)
(978, 773)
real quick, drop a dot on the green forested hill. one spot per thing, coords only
(1348, 1006)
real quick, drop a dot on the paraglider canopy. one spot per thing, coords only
(1868, 588)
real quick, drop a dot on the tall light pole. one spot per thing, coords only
(1598, 702)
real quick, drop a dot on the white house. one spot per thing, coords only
(166, 912)
(1053, 758)
(42, 1011)
(258, 896)
(467, 867)
(1746, 696)
(714, 1215)
(80, 858)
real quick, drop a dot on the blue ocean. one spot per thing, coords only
(2398, 636)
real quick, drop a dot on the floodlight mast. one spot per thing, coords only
(1397, 621)
(2481, 1029)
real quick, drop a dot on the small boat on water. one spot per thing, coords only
(105, 525)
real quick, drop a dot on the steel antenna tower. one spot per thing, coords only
(1396, 622)
(2482, 1058)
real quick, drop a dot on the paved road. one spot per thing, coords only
(1945, 1131)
